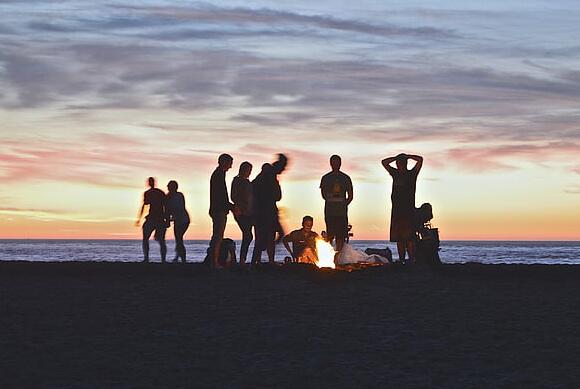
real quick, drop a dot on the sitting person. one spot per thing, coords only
(303, 242)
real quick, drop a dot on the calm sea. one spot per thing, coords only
(130, 251)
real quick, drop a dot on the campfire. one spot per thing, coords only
(325, 253)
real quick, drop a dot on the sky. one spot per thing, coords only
(97, 96)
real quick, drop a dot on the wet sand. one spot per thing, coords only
(102, 325)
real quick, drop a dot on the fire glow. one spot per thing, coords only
(325, 253)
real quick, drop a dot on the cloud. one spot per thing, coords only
(101, 159)
(506, 157)
(237, 16)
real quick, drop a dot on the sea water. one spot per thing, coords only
(490, 252)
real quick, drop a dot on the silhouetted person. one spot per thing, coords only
(303, 242)
(336, 189)
(266, 192)
(156, 219)
(242, 198)
(177, 213)
(403, 202)
(219, 205)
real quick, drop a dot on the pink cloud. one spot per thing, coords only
(98, 160)
(502, 157)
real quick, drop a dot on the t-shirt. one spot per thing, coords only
(155, 198)
(335, 186)
(301, 240)
(219, 200)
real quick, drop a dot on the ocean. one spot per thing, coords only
(489, 252)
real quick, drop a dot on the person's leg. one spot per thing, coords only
(271, 243)
(178, 232)
(183, 252)
(219, 227)
(330, 232)
(160, 234)
(401, 248)
(411, 249)
(259, 241)
(245, 223)
(147, 231)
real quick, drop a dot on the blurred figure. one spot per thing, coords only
(177, 213)
(278, 167)
(403, 202)
(267, 193)
(242, 198)
(156, 219)
(303, 242)
(219, 206)
(336, 189)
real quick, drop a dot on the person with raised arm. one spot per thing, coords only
(156, 219)
(403, 202)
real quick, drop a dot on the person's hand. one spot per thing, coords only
(138, 223)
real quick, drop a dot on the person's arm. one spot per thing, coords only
(349, 192)
(286, 241)
(419, 164)
(323, 189)
(387, 164)
(140, 214)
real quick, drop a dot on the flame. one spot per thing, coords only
(325, 253)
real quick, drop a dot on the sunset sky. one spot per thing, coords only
(97, 96)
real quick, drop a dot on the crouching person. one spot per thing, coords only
(303, 242)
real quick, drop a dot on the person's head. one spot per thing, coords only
(307, 223)
(335, 163)
(266, 168)
(401, 161)
(245, 169)
(172, 186)
(151, 182)
(225, 161)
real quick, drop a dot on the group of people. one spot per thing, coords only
(254, 207)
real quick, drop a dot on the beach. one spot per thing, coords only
(150, 325)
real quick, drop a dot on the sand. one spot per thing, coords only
(100, 325)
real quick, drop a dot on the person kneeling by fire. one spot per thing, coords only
(303, 242)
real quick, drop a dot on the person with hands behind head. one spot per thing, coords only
(403, 202)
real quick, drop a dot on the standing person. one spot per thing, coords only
(242, 199)
(156, 219)
(177, 213)
(267, 192)
(336, 189)
(403, 202)
(265, 213)
(219, 206)
(303, 242)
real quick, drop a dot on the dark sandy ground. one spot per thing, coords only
(102, 325)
